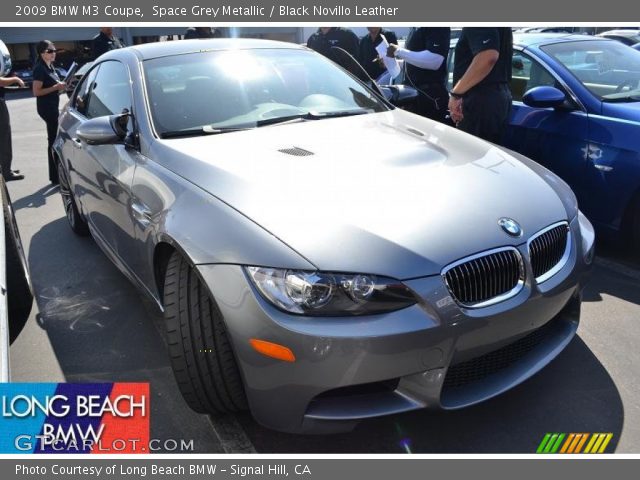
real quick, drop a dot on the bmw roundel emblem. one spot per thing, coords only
(510, 226)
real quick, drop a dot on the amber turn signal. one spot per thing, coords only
(272, 350)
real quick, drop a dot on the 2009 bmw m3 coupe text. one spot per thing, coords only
(320, 256)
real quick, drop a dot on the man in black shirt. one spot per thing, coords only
(202, 32)
(368, 56)
(425, 60)
(6, 151)
(105, 41)
(327, 37)
(480, 101)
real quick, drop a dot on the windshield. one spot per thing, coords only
(609, 69)
(221, 91)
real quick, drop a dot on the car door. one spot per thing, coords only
(104, 172)
(556, 138)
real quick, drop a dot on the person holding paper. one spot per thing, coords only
(46, 88)
(368, 55)
(425, 60)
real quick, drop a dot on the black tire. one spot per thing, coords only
(76, 221)
(201, 353)
(19, 292)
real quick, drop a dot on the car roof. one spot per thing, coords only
(180, 47)
(534, 39)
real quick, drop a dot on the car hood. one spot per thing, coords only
(623, 111)
(389, 193)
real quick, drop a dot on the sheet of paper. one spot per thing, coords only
(391, 63)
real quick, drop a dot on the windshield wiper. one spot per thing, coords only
(206, 130)
(212, 130)
(312, 115)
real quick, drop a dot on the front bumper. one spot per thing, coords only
(426, 356)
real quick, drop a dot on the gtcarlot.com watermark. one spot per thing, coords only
(43, 443)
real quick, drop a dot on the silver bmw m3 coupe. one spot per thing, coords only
(320, 256)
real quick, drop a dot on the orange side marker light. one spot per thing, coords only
(272, 350)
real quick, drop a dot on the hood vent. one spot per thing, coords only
(296, 152)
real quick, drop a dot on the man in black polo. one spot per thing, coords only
(327, 37)
(368, 56)
(202, 32)
(105, 41)
(425, 60)
(6, 152)
(480, 100)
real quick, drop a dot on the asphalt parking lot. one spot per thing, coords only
(89, 324)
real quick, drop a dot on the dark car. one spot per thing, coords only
(16, 299)
(24, 71)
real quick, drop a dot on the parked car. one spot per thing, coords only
(582, 122)
(16, 294)
(576, 110)
(321, 257)
(23, 70)
(628, 37)
(547, 30)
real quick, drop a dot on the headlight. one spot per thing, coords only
(330, 294)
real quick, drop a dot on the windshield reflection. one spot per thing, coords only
(216, 92)
(609, 69)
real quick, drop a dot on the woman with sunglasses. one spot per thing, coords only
(46, 88)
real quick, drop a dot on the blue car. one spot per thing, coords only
(576, 110)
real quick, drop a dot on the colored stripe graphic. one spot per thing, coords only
(583, 440)
(567, 444)
(543, 443)
(607, 439)
(552, 442)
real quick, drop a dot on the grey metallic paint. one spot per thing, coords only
(391, 193)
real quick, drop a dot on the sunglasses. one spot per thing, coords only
(50, 50)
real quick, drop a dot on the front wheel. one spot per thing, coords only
(201, 353)
(76, 222)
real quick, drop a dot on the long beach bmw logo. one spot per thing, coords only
(510, 226)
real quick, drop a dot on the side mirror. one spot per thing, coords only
(104, 130)
(544, 97)
(399, 95)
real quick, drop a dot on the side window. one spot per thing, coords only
(111, 92)
(528, 73)
(82, 95)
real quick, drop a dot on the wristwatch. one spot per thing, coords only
(456, 95)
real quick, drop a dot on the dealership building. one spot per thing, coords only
(75, 42)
